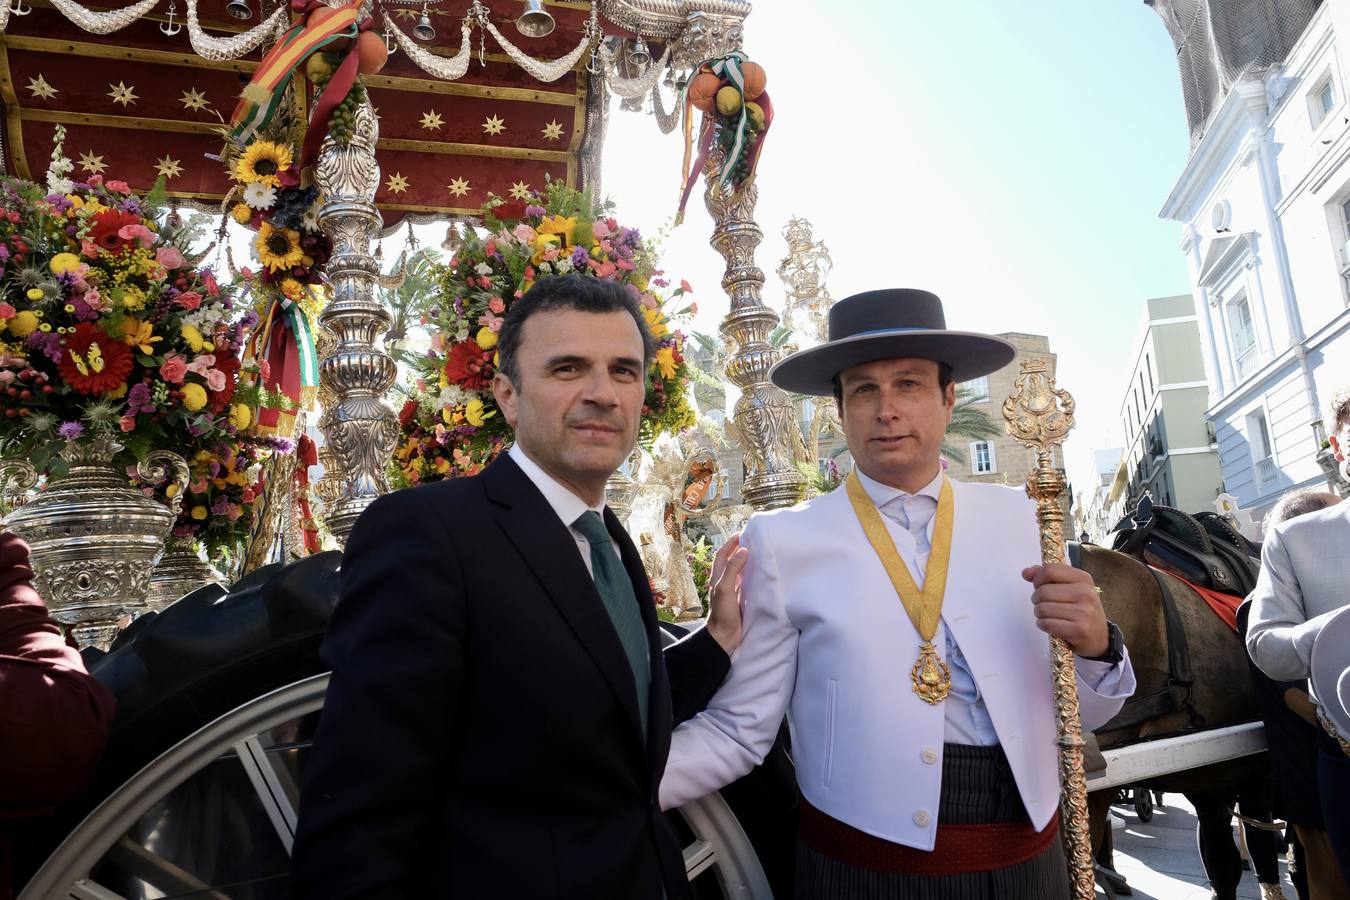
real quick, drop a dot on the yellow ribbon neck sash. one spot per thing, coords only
(931, 676)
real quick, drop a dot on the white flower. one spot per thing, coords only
(259, 195)
(483, 269)
(310, 220)
(453, 395)
(462, 335)
(564, 265)
(545, 269)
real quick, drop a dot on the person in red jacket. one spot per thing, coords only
(54, 717)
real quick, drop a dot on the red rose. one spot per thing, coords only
(468, 366)
(513, 210)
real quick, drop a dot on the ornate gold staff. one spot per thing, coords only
(1040, 415)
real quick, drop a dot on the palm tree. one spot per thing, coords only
(405, 300)
(969, 423)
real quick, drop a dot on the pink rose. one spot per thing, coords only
(169, 257)
(155, 272)
(173, 369)
(89, 248)
(265, 370)
(684, 286)
(492, 322)
(524, 233)
(136, 232)
(189, 300)
(198, 486)
(128, 423)
(95, 180)
(94, 299)
(6, 311)
(550, 254)
(497, 305)
(201, 364)
(6, 376)
(215, 380)
(599, 228)
(120, 186)
(234, 512)
(212, 288)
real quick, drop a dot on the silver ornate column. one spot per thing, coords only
(765, 422)
(360, 429)
(807, 312)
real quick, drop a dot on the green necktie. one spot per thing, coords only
(616, 590)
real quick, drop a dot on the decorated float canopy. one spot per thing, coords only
(476, 99)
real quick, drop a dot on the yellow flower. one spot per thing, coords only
(64, 262)
(140, 335)
(203, 456)
(34, 294)
(194, 396)
(199, 513)
(23, 324)
(562, 227)
(241, 416)
(542, 242)
(118, 392)
(171, 491)
(656, 322)
(241, 213)
(293, 289)
(133, 298)
(263, 162)
(475, 414)
(278, 248)
(195, 339)
(486, 338)
(665, 361)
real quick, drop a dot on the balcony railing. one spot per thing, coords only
(1265, 470)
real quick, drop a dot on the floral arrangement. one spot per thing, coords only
(450, 423)
(270, 198)
(108, 326)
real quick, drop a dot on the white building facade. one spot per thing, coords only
(1264, 204)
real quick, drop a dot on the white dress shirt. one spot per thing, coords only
(967, 719)
(566, 504)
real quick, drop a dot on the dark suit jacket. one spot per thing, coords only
(480, 736)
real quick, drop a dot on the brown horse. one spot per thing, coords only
(1220, 694)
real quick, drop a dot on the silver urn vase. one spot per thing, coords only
(94, 537)
(181, 571)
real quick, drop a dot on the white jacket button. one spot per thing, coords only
(929, 755)
(921, 819)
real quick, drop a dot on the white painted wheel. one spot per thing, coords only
(214, 817)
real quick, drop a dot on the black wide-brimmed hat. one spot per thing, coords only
(897, 323)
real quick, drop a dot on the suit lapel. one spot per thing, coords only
(550, 552)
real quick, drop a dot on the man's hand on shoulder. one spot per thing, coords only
(724, 601)
(1067, 606)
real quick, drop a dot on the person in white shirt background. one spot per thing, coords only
(902, 623)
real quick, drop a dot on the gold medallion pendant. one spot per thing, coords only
(932, 679)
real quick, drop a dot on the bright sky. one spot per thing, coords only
(1011, 157)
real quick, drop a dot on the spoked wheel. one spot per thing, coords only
(1143, 804)
(215, 815)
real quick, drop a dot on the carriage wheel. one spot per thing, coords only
(215, 816)
(1143, 804)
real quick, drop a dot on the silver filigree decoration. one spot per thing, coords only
(450, 68)
(632, 88)
(216, 48)
(666, 121)
(103, 22)
(541, 70)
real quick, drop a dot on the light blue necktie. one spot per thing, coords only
(616, 590)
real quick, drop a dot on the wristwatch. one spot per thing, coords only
(1115, 648)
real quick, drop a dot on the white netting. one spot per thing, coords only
(1220, 42)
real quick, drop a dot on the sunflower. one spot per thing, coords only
(278, 248)
(263, 162)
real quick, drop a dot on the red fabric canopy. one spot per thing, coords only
(138, 104)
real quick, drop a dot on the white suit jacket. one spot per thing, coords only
(1304, 581)
(827, 641)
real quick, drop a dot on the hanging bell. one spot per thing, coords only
(423, 30)
(535, 21)
(639, 57)
(239, 9)
(451, 242)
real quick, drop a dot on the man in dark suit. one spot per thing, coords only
(500, 709)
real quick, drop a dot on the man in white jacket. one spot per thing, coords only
(902, 624)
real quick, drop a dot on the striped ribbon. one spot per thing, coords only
(262, 95)
(729, 69)
(285, 341)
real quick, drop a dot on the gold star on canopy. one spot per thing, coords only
(494, 125)
(194, 100)
(520, 191)
(122, 94)
(553, 130)
(396, 184)
(432, 120)
(458, 186)
(40, 88)
(168, 168)
(92, 164)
